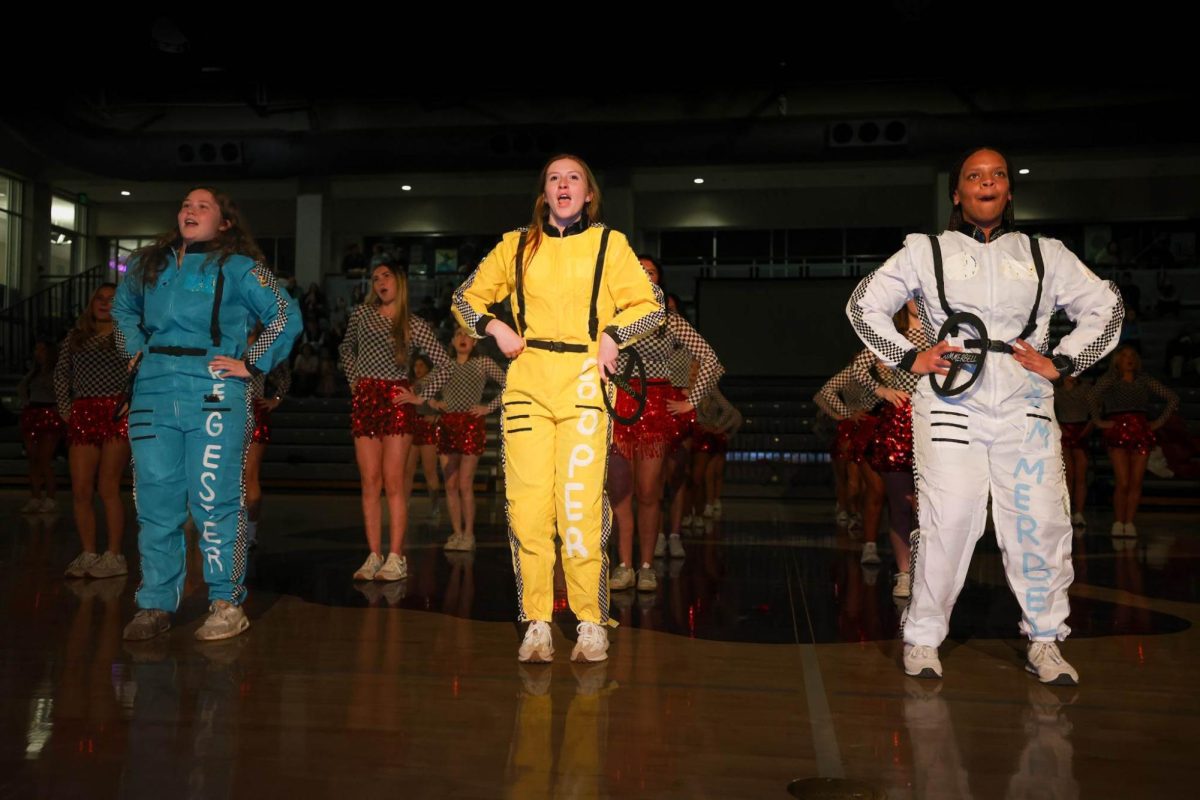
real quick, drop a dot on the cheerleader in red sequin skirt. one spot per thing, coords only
(41, 429)
(424, 446)
(462, 430)
(89, 381)
(268, 392)
(848, 403)
(1119, 405)
(647, 443)
(887, 470)
(374, 357)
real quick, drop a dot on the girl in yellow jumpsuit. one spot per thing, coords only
(578, 294)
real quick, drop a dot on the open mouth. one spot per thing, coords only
(564, 199)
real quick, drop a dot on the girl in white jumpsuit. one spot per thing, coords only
(998, 436)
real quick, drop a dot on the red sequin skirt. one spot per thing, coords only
(425, 431)
(262, 426)
(891, 447)
(41, 421)
(374, 414)
(92, 421)
(461, 433)
(1130, 431)
(706, 441)
(853, 439)
(1072, 435)
(657, 431)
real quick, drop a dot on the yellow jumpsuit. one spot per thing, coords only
(556, 432)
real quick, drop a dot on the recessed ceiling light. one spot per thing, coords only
(1023, 171)
(406, 188)
(125, 193)
(697, 180)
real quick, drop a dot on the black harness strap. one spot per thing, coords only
(1037, 300)
(940, 277)
(593, 319)
(215, 325)
(521, 283)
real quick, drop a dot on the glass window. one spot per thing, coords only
(62, 213)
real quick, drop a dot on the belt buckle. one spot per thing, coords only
(558, 347)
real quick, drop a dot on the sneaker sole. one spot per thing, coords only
(537, 657)
(580, 658)
(927, 673)
(1063, 678)
(104, 575)
(648, 588)
(241, 629)
(380, 578)
(127, 638)
(901, 595)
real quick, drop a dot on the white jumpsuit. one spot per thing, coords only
(999, 436)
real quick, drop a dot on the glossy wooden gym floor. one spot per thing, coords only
(767, 655)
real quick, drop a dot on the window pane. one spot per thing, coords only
(62, 213)
(7, 201)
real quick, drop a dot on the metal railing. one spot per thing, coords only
(46, 314)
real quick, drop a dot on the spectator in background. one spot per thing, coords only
(1130, 293)
(1167, 297)
(354, 262)
(305, 371)
(41, 428)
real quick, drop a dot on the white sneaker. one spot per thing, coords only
(687, 521)
(921, 661)
(675, 546)
(371, 566)
(1047, 663)
(709, 510)
(48, 506)
(394, 569)
(870, 553)
(225, 620)
(698, 521)
(903, 587)
(622, 578)
(82, 563)
(1077, 520)
(108, 565)
(592, 643)
(454, 542)
(1130, 531)
(716, 508)
(537, 647)
(843, 519)
(1118, 530)
(660, 546)
(34, 505)
(647, 581)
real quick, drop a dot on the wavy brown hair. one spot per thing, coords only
(400, 320)
(85, 327)
(541, 213)
(234, 240)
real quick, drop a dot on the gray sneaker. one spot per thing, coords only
(225, 620)
(367, 571)
(675, 546)
(79, 567)
(146, 624)
(622, 578)
(108, 565)
(647, 581)
(394, 569)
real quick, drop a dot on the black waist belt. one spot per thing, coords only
(556, 347)
(990, 344)
(179, 351)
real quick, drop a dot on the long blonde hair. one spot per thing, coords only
(541, 213)
(85, 327)
(400, 318)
